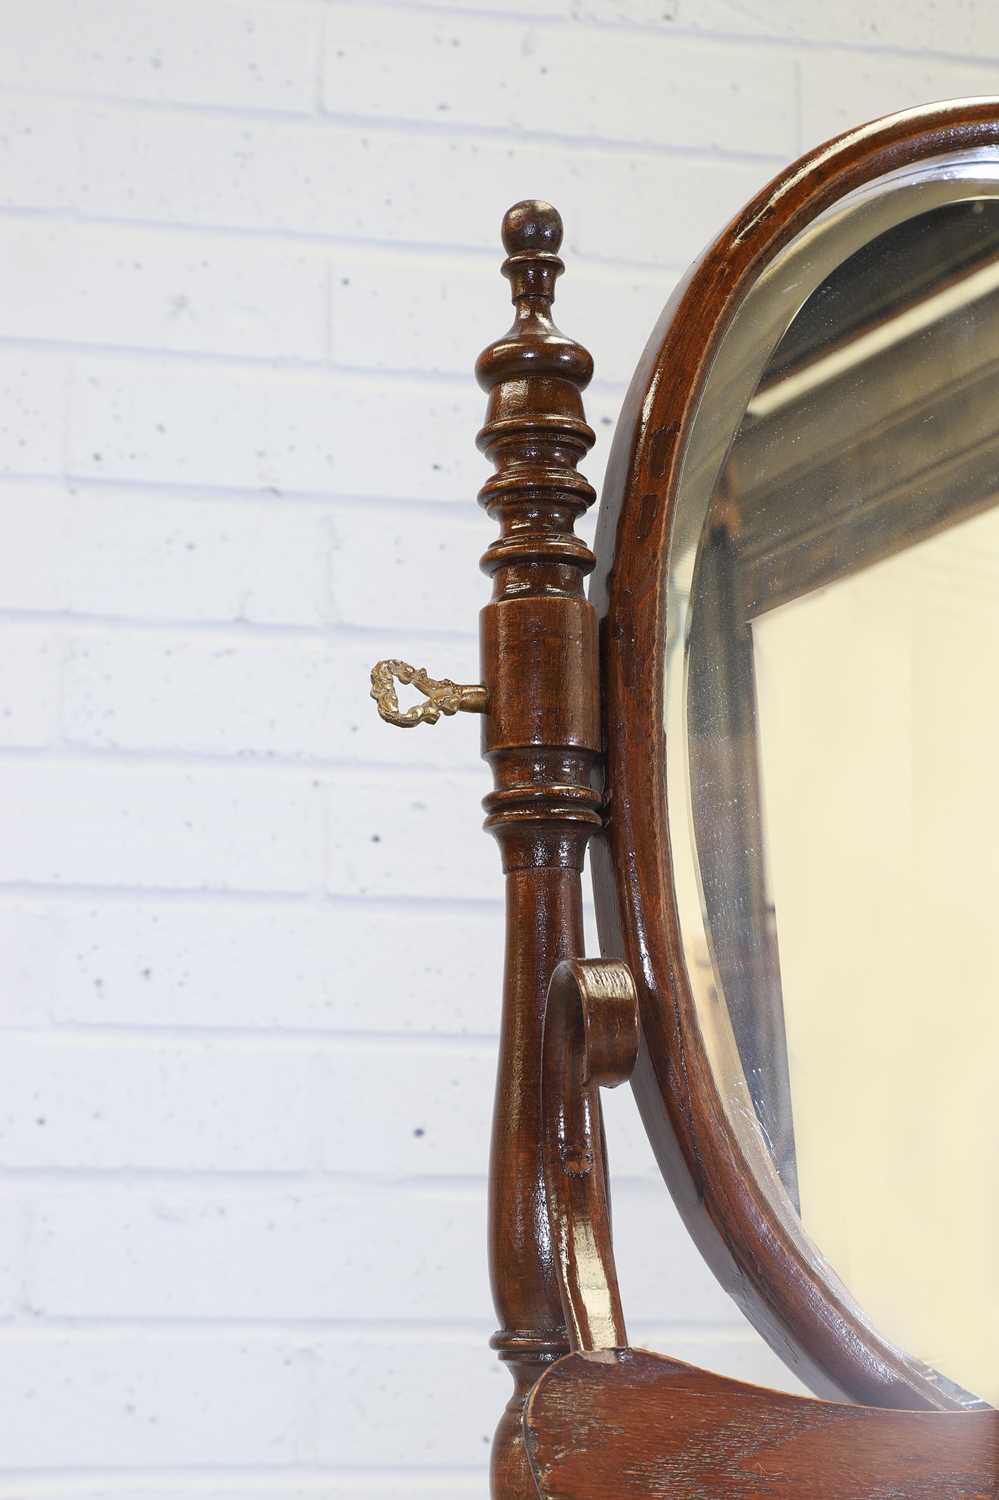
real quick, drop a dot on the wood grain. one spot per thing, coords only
(627, 1425)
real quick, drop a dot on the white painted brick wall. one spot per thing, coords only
(250, 938)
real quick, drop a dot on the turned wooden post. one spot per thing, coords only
(541, 735)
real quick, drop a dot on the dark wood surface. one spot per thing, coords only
(758, 1255)
(590, 1041)
(627, 1425)
(541, 736)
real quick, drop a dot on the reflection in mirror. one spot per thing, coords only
(842, 718)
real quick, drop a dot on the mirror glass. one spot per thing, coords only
(834, 678)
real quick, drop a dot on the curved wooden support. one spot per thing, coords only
(590, 1040)
(624, 1424)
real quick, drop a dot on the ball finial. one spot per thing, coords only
(532, 225)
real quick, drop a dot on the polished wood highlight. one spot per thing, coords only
(590, 1042)
(756, 1253)
(627, 1425)
(541, 736)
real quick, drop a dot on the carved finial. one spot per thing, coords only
(532, 224)
(535, 431)
(532, 238)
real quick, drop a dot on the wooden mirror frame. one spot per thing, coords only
(564, 700)
(810, 1322)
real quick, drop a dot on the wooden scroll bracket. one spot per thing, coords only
(590, 1041)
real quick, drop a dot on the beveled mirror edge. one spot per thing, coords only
(764, 314)
(808, 1321)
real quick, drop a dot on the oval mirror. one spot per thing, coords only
(841, 738)
(803, 595)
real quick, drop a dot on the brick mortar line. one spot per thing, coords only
(254, 1039)
(394, 253)
(183, 1475)
(708, 38)
(76, 755)
(377, 637)
(290, 237)
(405, 127)
(349, 378)
(372, 1188)
(679, 32)
(409, 1329)
(276, 500)
(450, 383)
(14, 892)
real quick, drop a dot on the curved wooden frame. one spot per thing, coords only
(808, 1322)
